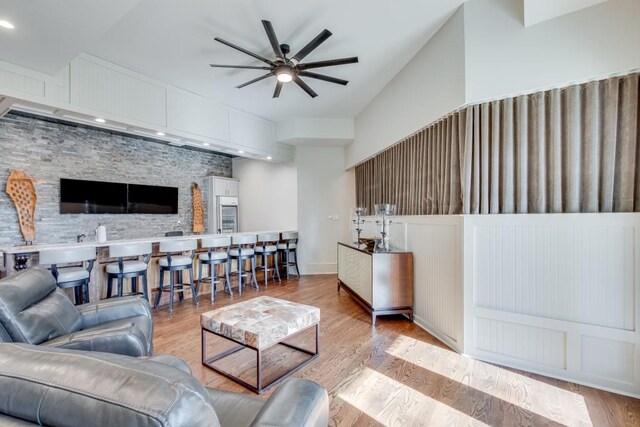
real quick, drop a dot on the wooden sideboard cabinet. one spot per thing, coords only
(382, 282)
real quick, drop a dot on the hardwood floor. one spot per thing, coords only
(395, 373)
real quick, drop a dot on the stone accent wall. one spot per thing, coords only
(49, 150)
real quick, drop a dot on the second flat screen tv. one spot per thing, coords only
(151, 199)
(96, 197)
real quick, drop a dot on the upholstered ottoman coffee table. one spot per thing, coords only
(259, 324)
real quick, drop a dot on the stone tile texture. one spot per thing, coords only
(48, 150)
(260, 322)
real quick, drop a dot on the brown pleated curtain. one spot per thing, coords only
(575, 149)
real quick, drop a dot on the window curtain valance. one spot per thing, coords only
(575, 149)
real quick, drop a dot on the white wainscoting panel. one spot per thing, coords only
(436, 243)
(555, 294)
(102, 87)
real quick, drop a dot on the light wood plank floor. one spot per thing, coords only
(394, 374)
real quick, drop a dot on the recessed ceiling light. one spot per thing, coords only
(6, 24)
(99, 120)
(240, 151)
(206, 144)
(160, 133)
(269, 157)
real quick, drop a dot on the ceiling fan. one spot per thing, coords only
(287, 69)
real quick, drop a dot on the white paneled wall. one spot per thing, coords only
(555, 294)
(436, 243)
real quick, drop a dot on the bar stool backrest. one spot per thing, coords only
(215, 242)
(244, 239)
(265, 238)
(67, 255)
(173, 246)
(130, 249)
(290, 236)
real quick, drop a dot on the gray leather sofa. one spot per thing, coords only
(34, 310)
(58, 387)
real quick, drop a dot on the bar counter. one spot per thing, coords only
(15, 258)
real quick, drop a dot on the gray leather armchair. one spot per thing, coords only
(58, 387)
(34, 310)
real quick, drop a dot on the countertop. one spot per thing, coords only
(45, 246)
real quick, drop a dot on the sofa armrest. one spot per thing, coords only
(296, 402)
(113, 309)
(131, 338)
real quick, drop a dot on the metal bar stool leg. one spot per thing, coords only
(240, 272)
(200, 276)
(275, 265)
(265, 268)
(144, 286)
(253, 272)
(194, 294)
(172, 280)
(227, 267)
(160, 288)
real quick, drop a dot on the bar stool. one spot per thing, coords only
(173, 262)
(129, 269)
(287, 248)
(217, 254)
(267, 247)
(71, 277)
(243, 249)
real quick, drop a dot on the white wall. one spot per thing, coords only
(428, 87)
(484, 52)
(268, 195)
(323, 191)
(503, 57)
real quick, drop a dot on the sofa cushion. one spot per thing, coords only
(72, 274)
(34, 310)
(76, 388)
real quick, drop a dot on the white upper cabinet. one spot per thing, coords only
(251, 131)
(226, 187)
(103, 88)
(195, 115)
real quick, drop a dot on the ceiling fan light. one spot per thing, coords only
(284, 76)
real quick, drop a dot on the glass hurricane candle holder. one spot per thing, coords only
(358, 221)
(383, 212)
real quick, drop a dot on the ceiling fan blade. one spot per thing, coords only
(323, 77)
(328, 63)
(255, 55)
(273, 39)
(254, 80)
(276, 93)
(249, 67)
(304, 86)
(325, 34)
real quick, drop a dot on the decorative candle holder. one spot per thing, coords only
(383, 212)
(358, 221)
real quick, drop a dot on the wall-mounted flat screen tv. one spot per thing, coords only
(152, 199)
(97, 197)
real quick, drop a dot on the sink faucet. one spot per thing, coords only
(79, 237)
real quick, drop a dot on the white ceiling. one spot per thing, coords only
(172, 41)
(48, 34)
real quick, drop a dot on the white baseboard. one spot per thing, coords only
(319, 268)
